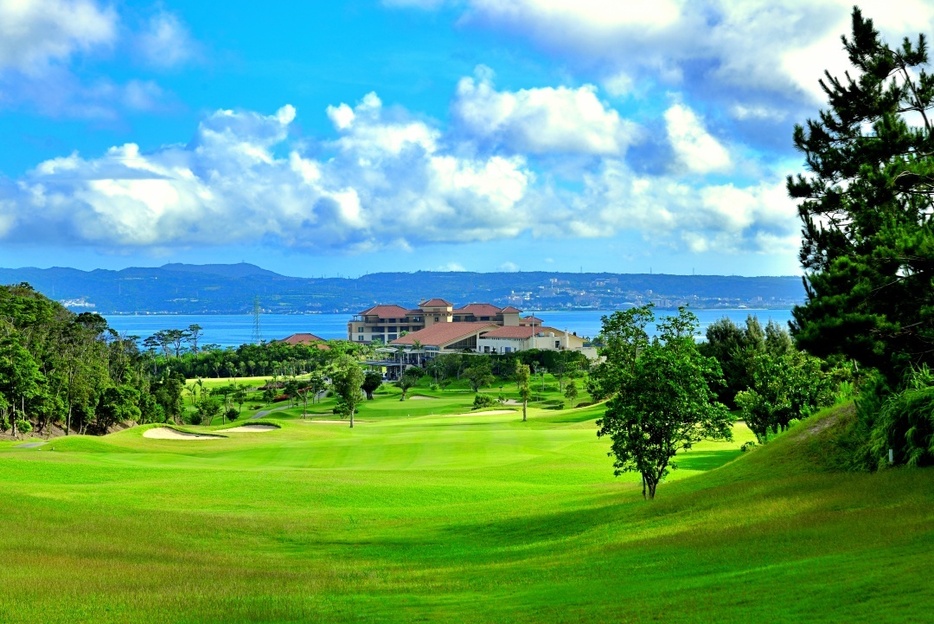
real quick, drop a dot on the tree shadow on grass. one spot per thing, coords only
(705, 460)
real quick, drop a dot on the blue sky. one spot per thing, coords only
(344, 138)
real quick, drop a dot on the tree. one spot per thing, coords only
(570, 391)
(784, 387)
(479, 373)
(866, 203)
(372, 380)
(346, 381)
(663, 402)
(523, 375)
(116, 405)
(192, 335)
(408, 379)
(623, 337)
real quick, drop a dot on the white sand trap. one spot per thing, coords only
(166, 433)
(251, 429)
(418, 397)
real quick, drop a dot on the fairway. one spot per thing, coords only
(453, 518)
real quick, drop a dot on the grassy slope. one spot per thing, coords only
(447, 518)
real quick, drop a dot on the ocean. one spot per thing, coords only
(232, 330)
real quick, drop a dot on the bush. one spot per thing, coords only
(747, 446)
(232, 414)
(4, 423)
(23, 426)
(195, 419)
(483, 400)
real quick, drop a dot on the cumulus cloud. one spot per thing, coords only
(385, 183)
(762, 52)
(670, 212)
(694, 147)
(541, 120)
(34, 35)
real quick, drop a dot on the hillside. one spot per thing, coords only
(447, 518)
(232, 289)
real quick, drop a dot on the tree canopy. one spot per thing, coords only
(662, 400)
(866, 202)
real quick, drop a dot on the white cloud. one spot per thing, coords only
(385, 184)
(34, 35)
(667, 212)
(774, 51)
(694, 147)
(542, 120)
(165, 42)
(509, 267)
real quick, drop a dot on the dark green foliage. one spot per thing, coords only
(479, 373)
(784, 387)
(371, 381)
(346, 379)
(905, 423)
(624, 338)
(409, 378)
(865, 205)
(483, 400)
(663, 402)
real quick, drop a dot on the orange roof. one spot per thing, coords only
(479, 309)
(301, 338)
(511, 310)
(435, 303)
(385, 311)
(522, 332)
(442, 334)
(529, 320)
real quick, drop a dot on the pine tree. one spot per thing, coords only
(866, 203)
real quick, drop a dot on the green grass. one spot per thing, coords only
(421, 516)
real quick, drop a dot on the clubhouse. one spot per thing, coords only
(435, 327)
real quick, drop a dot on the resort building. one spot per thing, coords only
(385, 323)
(412, 337)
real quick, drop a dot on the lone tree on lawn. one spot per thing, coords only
(346, 380)
(523, 374)
(663, 402)
(866, 203)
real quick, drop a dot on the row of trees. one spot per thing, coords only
(59, 368)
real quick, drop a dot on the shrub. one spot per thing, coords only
(195, 419)
(23, 426)
(747, 446)
(483, 400)
(232, 414)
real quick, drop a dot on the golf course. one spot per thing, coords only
(427, 511)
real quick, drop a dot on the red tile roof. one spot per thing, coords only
(479, 309)
(443, 334)
(511, 310)
(435, 303)
(301, 338)
(529, 320)
(523, 332)
(385, 311)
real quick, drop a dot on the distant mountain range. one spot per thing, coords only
(233, 289)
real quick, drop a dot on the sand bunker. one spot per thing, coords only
(166, 433)
(251, 429)
(418, 397)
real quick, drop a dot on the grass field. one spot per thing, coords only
(420, 516)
